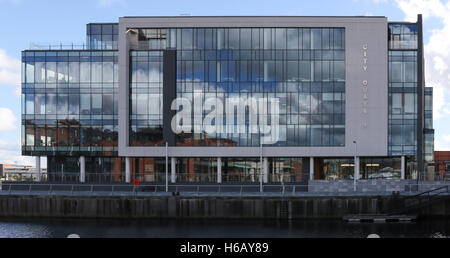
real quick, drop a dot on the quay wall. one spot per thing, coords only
(206, 207)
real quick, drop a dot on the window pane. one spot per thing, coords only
(396, 103)
(292, 71)
(108, 104)
(292, 38)
(280, 38)
(409, 135)
(233, 38)
(29, 104)
(74, 104)
(108, 72)
(246, 39)
(316, 39)
(39, 72)
(305, 70)
(339, 71)
(85, 103)
(396, 132)
(29, 73)
(410, 72)
(63, 104)
(396, 72)
(155, 72)
(409, 103)
(85, 72)
(51, 72)
(74, 71)
(63, 72)
(39, 104)
(96, 74)
(96, 104)
(50, 104)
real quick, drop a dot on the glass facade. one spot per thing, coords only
(70, 108)
(429, 131)
(380, 168)
(196, 170)
(304, 68)
(104, 36)
(334, 168)
(148, 169)
(98, 169)
(403, 36)
(236, 170)
(70, 103)
(403, 89)
(146, 105)
(286, 170)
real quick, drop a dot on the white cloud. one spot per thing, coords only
(437, 51)
(7, 120)
(11, 154)
(8, 62)
(10, 71)
(442, 145)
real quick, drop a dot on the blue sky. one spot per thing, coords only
(52, 22)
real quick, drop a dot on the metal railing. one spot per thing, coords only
(423, 199)
(78, 46)
(410, 190)
(148, 189)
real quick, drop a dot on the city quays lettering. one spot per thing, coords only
(235, 115)
(365, 87)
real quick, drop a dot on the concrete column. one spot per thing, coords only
(219, 170)
(82, 169)
(356, 168)
(127, 170)
(311, 168)
(266, 170)
(403, 169)
(38, 168)
(173, 163)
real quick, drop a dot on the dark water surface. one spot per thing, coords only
(214, 228)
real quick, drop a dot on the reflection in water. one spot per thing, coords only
(214, 228)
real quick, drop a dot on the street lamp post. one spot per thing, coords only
(167, 167)
(355, 172)
(260, 169)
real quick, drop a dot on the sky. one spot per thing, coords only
(25, 22)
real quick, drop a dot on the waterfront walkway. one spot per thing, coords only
(45, 189)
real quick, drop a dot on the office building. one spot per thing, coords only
(231, 100)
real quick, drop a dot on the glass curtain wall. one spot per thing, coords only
(403, 89)
(196, 170)
(302, 67)
(102, 36)
(148, 169)
(70, 103)
(146, 103)
(70, 108)
(429, 131)
(285, 170)
(380, 168)
(334, 169)
(239, 170)
(98, 169)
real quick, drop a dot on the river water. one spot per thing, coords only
(215, 228)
